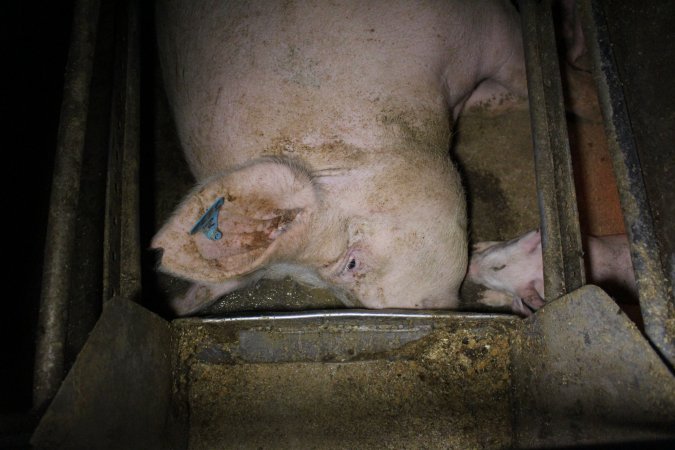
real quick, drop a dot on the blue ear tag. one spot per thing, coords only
(208, 224)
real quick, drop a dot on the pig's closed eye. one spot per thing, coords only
(498, 268)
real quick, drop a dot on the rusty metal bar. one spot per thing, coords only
(60, 238)
(559, 218)
(656, 303)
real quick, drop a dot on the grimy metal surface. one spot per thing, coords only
(347, 379)
(91, 255)
(119, 389)
(583, 374)
(60, 238)
(559, 218)
(122, 251)
(655, 288)
(577, 373)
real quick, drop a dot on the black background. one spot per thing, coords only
(35, 36)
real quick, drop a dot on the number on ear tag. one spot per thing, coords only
(208, 223)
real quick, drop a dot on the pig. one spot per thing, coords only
(513, 271)
(319, 133)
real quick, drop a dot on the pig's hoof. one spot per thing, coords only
(520, 308)
(496, 298)
(524, 307)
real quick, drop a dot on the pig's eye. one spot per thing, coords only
(351, 264)
(498, 268)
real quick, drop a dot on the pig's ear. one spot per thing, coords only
(482, 246)
(237, 223)
(530, 241)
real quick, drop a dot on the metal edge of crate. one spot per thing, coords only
(656, 303)
(121, 243)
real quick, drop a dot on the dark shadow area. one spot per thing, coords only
(35, 37)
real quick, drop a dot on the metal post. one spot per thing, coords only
(656, 303)
(561, 238)
(60, 238)
(122, 257)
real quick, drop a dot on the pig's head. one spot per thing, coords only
(379, 238)
(513, 266)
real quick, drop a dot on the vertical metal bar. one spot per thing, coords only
(561, 238)
(122, 273)
(51, 330)
(131, 238)
(656, 303)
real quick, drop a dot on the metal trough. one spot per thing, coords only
(358, 379)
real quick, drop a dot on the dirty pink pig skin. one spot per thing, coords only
(513, 272)
(325, 128)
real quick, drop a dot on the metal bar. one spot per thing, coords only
(364, 315)
(561, 237)
(130, 260)
(60, 238)
(122, 273)
(656, 303)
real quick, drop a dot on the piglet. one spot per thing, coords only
(513, 271)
